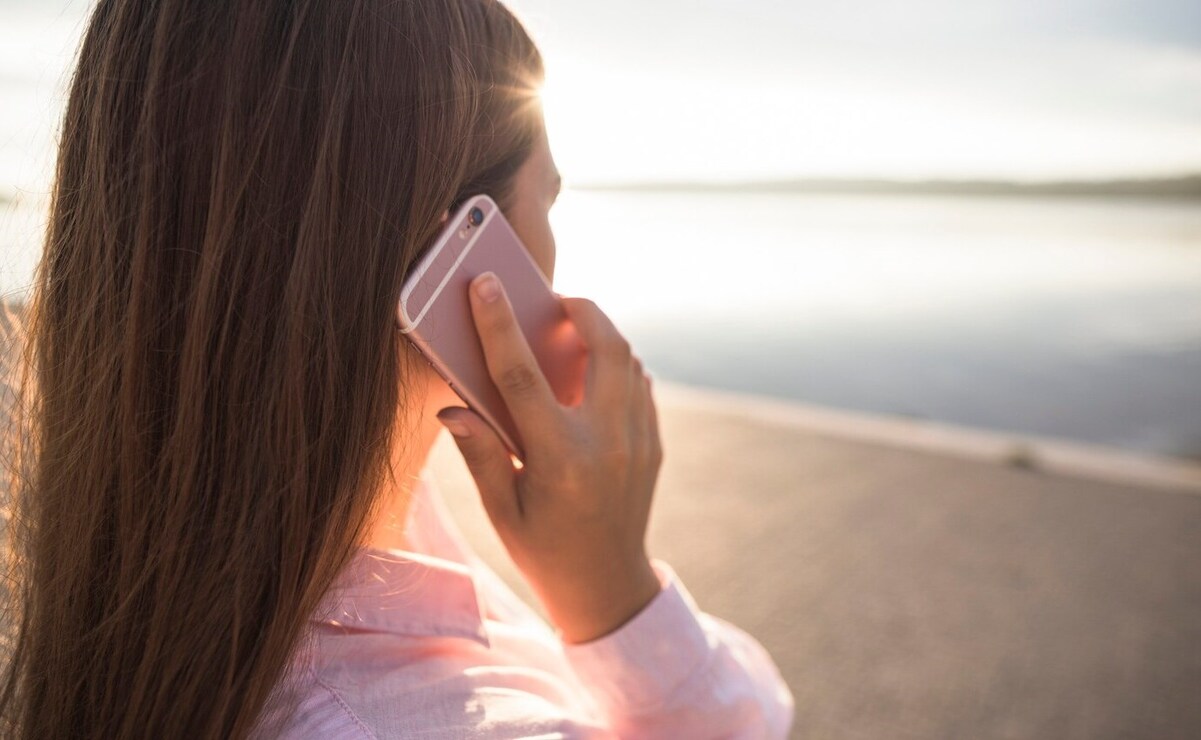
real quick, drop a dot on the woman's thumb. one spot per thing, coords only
(487, 459)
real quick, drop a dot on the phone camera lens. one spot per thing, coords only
(476, 217)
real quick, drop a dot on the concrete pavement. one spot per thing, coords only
(909, 588)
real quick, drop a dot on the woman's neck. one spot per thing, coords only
(387, 531)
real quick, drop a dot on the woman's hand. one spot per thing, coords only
(574, 516)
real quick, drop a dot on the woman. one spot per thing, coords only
(222, 523)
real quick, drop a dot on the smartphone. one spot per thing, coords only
(434, 313)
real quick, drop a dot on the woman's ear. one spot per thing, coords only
(445, 215)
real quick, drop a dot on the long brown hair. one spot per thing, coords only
(211, 367)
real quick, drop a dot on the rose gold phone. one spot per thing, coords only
(434, 313)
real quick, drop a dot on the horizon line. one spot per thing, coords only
(1186, 186)
(1179, 186)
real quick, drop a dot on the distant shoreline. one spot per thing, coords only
(1187, 187)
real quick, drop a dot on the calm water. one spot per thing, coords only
(1071, 318)
(1063, 317)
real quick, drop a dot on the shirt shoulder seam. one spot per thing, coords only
(342, 703)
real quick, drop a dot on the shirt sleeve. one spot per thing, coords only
(674, 671)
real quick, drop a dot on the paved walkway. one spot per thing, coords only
(912, 591)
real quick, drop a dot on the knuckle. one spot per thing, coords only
(619, 348)
(575, 472)
(656, 453)
(519, 378)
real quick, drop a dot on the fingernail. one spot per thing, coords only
(456, 427)
(487, 287)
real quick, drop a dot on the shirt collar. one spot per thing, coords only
(406, 593)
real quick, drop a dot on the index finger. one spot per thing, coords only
(511, 362)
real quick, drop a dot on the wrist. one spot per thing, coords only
(587, 609)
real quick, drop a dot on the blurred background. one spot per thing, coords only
(867, 248)
(752, 191)
(900, 209)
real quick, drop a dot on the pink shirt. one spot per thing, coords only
(431, 643)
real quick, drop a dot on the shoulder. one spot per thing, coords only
(302, 706)
(387, 686)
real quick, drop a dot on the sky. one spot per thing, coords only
(753, 89)
(728, 89)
